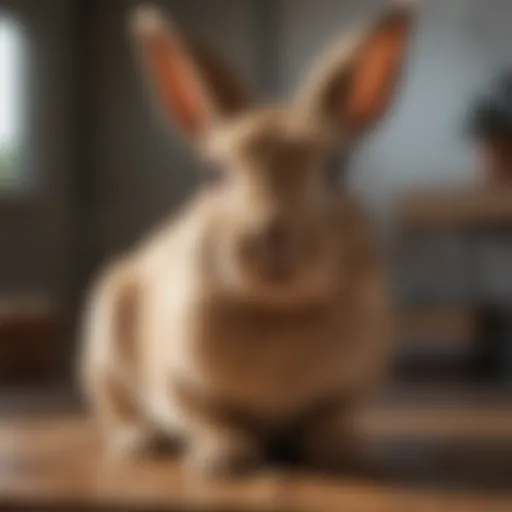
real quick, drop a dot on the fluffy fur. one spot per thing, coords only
(188, 335)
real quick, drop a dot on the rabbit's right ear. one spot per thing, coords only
(195, 86)
(355, 84)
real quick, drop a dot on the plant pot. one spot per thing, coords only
(496, 157)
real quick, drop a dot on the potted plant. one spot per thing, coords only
(490, 124)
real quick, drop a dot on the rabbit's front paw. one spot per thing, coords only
(127, 441)
(224, 456)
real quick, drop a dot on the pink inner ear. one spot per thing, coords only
(376, 76)
(176, 82)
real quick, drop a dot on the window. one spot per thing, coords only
(11, 104)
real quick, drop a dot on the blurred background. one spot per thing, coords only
(86, 168)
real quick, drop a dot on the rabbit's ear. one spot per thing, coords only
(194, 85)
(354, 84)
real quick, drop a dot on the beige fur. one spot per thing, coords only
(185, 336)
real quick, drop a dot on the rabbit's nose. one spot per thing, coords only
(276, 237)
(277, 249)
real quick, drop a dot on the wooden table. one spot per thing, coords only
(53, 461)
(468, 214)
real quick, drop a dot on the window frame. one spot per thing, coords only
(22, 194)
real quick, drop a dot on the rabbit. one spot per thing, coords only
(261, 310)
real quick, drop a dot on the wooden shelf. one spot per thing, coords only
(456, 208)
(450, 323)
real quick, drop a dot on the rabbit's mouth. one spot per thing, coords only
(284, 278)
(275, 270)
(291, 284)
(277, 264)
(274, 262)
(278, 273)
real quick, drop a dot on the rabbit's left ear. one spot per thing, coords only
(354, 84)
(195, 86)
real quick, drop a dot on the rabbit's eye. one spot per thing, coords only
(337, 169)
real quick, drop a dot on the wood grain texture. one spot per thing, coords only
(54, 462)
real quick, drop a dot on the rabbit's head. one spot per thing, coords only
(272, 172)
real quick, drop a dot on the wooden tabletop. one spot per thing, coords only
(54, 461)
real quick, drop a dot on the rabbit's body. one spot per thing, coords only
(270, 366)
(261, 309)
